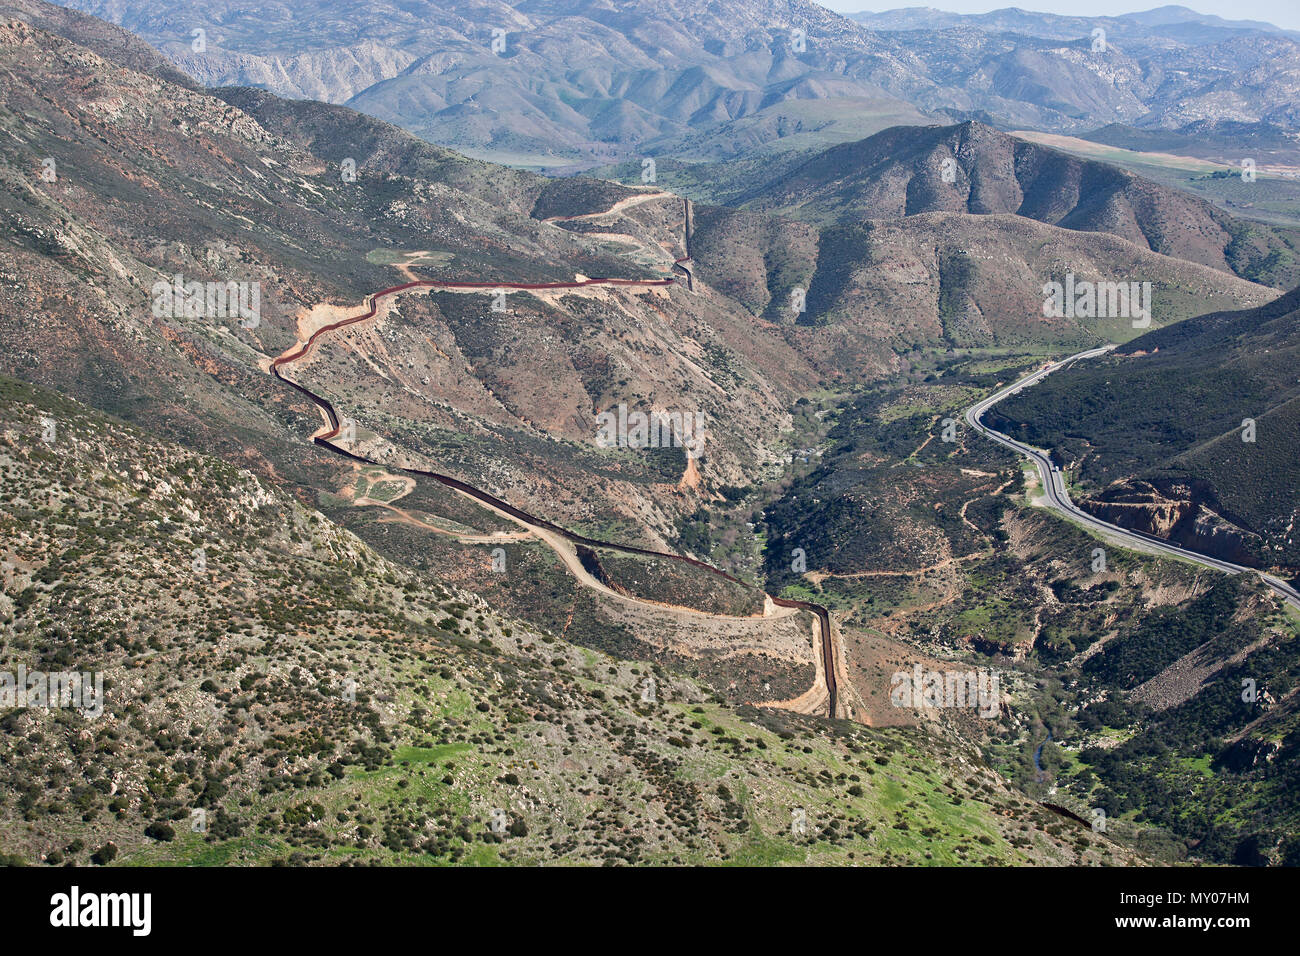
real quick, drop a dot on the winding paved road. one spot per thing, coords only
(1058, 498)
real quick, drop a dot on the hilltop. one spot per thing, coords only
(973, 168)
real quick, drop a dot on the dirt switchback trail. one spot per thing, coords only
(546, 529)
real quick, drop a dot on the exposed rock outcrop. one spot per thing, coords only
(1181, 514)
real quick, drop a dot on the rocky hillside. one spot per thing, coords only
(333, 660)
(120, 46)
(1150, 688)
(975, 169)
(151, 180)
(874, 290)
(275, 690)
(1158, 433)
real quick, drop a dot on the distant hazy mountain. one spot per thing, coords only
(1143, 26)
(1208, 139)
(602, 79)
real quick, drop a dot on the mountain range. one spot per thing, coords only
(971, 168)
(530, 379)
(388, 470)
(599, 80)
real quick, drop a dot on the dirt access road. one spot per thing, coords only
(549, 532)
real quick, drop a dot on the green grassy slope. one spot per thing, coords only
(323, 705)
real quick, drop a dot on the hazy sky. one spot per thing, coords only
(1283, 13)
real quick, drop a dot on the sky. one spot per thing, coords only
(1283, 13)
